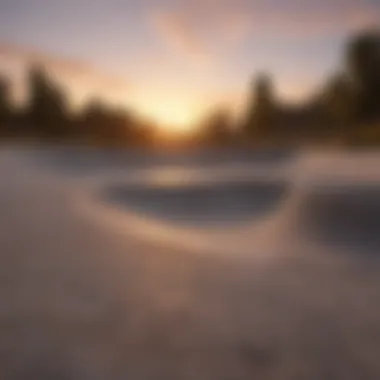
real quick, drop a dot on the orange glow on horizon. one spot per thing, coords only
(173, 120)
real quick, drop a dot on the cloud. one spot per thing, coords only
(202, 28)
(28, 55)
(71, 69)
(198, 29)
(179, 34)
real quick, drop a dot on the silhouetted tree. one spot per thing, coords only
(261, 108)
(340, 100)
(142, 132)
(118, 127)
(103, 124)
(363, 56)
(94, 119)
(48, 106)
(5, 106)
(217, 128)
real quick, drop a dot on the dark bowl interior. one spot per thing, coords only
(215, 203)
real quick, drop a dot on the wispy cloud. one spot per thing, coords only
(200, 28)
(69, 68)
(179, 34)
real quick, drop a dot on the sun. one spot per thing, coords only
(173, 118)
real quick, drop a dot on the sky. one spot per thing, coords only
(172, 59)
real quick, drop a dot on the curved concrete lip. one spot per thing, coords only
(204, 227)
(202, 204)
(345, 216)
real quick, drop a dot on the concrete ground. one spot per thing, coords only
(80, 301)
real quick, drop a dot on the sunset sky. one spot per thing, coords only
(172, 58)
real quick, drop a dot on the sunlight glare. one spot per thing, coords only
(173, 119)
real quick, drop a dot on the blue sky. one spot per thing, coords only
(172, 58)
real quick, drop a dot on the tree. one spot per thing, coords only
(94, 118)
(111, 126)
(5, 105)
(262, 108)
(118, 127)
(340, 100)
(217, 128)
(48, 106)
(363, 60)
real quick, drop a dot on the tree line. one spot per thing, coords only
(47, 115)
(345, 110)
